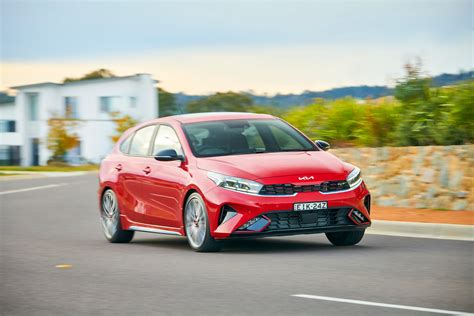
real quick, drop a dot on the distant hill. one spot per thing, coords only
(358, 92)
(449, 79)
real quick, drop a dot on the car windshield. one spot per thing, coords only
(238, 137)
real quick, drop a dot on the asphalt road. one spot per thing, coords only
(156, 274)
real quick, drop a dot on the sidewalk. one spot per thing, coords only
(398, 214)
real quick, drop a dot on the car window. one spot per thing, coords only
(166, 138)
(284, 140)
(254, 140)
(141, 141)
(125, 145)
(235, 137)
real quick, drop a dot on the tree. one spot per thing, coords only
(167, 103)
(122, 124)
(427, 113)
(221, 102)
(415, 86)
(96, 74)
(61, 138)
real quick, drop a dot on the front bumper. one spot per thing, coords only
(278, 210)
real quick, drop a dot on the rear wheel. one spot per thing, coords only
(345, 238)
(196, 224)
(110, 218)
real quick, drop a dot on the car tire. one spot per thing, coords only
(110, 219)
(196, 225)
(345, 238)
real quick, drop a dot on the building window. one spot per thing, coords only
(32, 106)
(7, 126)
(133, 102)
(9, 155)
(110, 104)
(70, 107)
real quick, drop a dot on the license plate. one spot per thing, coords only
(310, 206)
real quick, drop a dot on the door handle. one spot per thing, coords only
(119, 167)
(147, 170)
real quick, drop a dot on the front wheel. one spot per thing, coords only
(345, 238)
(196, 223)
(110, 218)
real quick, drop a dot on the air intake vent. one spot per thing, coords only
(357, 217)
(227, 213)
(290, 189)
(367, 203)
(281, 221)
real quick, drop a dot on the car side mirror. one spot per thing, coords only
(323, 145)
(168, 155)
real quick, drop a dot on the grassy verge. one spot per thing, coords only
(50, 168)
(8, 174)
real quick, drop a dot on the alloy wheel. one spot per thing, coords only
(109, 213)
(195, 220)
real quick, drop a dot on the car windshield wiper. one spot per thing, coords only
(287, 150)
(278, 151)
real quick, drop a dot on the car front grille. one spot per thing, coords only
(296, 220)
(290, 189)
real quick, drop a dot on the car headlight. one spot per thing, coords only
(354, 178)
(235, 184)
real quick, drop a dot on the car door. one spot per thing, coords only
(135, 173)
(119, 166)
(165, 182)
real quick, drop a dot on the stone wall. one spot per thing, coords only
(434, 177)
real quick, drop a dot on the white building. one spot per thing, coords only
(10, 142)
(90, 102)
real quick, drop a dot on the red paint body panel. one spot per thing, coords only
(156, 198)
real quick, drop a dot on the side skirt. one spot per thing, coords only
(154, 230)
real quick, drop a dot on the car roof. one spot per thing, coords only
(215, 116)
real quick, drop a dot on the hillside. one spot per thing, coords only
(358, 92)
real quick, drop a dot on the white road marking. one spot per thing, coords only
(33, 188)
(358, 302)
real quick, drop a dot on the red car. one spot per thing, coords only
(216, 176)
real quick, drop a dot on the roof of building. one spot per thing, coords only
(87, 81)
(6, 99)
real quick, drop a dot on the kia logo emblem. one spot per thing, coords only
(306, 178)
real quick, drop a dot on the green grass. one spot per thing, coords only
(50, 168)
(8, 174)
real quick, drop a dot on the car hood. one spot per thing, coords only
(284, 167)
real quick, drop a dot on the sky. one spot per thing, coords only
(268, 47)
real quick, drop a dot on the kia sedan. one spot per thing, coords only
(217, 176)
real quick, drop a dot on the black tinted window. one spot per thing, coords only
(141, 141)
(234, 137)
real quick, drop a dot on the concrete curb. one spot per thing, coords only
(422, 230)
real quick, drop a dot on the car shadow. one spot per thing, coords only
(282, 245)
(257, 245)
